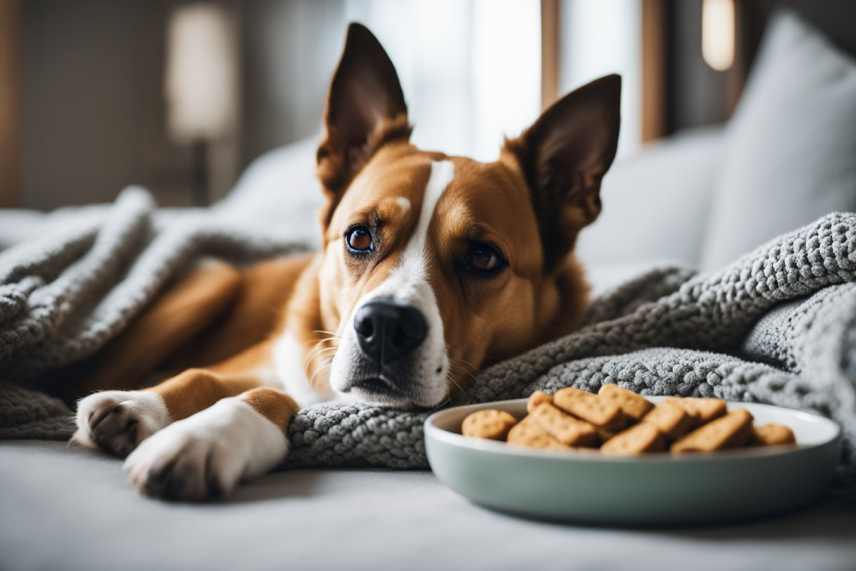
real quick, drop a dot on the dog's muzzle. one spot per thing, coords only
(389, 335)
(388, 332)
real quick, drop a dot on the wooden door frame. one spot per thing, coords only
(654, 30)
(10, 88)
(550, 51)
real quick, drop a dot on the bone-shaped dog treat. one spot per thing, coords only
(537, 398)
(670, 419)
(702, 410)
(729, 431)
(635, 440)
(632, 405)
(589, 407)
(529, 434)
(564, 428)
(772, 434)
(490, 424)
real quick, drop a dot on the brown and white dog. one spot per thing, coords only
(432, 267)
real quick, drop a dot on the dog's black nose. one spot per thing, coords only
(388, 331)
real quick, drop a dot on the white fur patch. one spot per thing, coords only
(408, 284)
(227, 442)
(403, 203)
(147, 407)
(289, 360)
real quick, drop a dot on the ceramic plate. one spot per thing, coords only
(651, 490)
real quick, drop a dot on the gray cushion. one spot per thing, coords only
(656, 204)
(791, 150)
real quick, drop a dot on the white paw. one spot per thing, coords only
(117, 421)
(207, 454)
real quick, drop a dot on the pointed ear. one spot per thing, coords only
(365, 109)
(564, 156)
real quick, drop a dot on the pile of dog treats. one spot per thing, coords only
(620, 422)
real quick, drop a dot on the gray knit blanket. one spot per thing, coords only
(777, 326)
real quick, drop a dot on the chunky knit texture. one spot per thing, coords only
(776, 326)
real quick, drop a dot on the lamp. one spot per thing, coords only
(200, 84)
(717, 33)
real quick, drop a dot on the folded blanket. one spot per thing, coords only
(777, 326)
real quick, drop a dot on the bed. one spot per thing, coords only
(69, 508)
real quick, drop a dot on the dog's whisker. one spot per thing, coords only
(466, 369)
(326, 365)
(319, 352)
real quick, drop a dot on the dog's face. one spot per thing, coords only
(434, 266)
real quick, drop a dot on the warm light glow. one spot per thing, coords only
(201, 73)
(717, 33)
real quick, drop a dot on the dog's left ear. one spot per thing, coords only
(564, 156)
(365, 109)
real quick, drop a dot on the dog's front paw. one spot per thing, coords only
(117, 421)
(207, 454)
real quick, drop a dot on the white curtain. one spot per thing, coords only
(470, 69)
(601, 37)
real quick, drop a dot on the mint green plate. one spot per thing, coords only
(652, 490)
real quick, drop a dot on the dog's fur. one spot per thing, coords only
(432, 267)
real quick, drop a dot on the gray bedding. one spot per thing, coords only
(669, 331)
(369, 518)
(358, 519)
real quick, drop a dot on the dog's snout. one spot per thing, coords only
(388, 331)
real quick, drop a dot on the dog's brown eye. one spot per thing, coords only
(359, 239)
(484, 260)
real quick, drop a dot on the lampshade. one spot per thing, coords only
(200, 84)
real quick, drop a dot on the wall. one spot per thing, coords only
(92, 106)
(696, 93)
(91, 103)
(289, 52)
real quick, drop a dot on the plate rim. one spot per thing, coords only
(503, 449)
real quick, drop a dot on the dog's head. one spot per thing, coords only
(434, 266)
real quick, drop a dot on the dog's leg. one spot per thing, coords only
(117, 421)
(208, 453)
(174, 318)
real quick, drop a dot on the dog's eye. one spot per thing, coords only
(484, 260)
(359, 239)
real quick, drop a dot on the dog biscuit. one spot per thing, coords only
(637, 439)
(529, 434)
(537, 398)
(490, 424)
(589, 407)
(670, 419)
(728, 431)
(603, 435)
(618, 422)
(564, 428)
(772, 434)
(631, 404)
(702, 410)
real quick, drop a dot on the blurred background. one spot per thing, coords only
(738, 116)
(181, 96)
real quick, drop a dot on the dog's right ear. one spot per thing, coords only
(365, 109)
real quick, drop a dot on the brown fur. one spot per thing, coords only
(217, 325)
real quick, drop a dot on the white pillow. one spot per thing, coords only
(656, 205)
(791, 148)
(279, 192)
